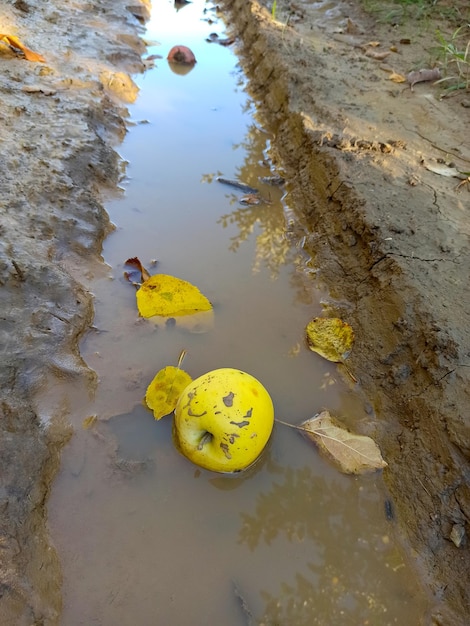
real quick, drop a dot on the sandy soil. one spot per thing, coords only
(390, 237)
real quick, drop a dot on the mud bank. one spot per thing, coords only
(391, 239)
(59, 120)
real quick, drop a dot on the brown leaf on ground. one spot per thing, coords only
(378, 56)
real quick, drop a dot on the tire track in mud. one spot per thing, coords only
(388, 277)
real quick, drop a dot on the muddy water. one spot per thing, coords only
(145, 537)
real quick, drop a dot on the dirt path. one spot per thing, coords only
(390, 236)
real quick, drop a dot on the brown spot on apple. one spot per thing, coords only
(228, 399)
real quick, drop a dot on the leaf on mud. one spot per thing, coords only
(378, 56)
(397, 78)
(330, 337)
(46, 91)
(169, 296)
(163, 392)
(90, 421)
(444, 170)
(352, 454)
(135, 270)
(16, 45)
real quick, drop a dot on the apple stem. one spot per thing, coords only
(207, 436)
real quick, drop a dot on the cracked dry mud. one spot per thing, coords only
(390, 237)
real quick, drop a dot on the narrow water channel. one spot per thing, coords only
(145, 538)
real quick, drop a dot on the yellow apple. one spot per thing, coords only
(223, 420)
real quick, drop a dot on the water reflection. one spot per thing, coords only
(164, 540)
(350, 555)
(274, 248)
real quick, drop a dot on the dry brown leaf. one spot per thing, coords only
(378, 56)
(250, 198)
(351, 453)
(134, 270)
(16, 44)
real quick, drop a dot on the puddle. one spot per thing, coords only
(144, 536)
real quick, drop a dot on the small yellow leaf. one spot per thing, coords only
(163, 392)
(330, 337)
(351, 453)
(169, 296)
(88, 422)
(397, 78)
(16, 44)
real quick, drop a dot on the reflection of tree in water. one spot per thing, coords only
(353, 575)
(274, 249)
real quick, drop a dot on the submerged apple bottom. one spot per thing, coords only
(223, 420)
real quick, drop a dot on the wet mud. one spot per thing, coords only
(60, 120)
(389, 236)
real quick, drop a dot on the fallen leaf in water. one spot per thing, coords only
(251, 199)
(214, 38)
(330, 337)
(163, 392)
(353, 454)
(15, 44)
(135, 272)
(169, 296)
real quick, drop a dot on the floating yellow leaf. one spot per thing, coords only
(330, 337)
(169, 296)
(353, 454)
(163, 392)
